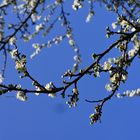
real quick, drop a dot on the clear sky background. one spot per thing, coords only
(42, 118)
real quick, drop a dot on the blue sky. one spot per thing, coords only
(42, 118)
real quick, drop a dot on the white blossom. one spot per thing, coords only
(114, 25)
(21, 96)
(37, 47)
(111, 60)
(129, 93)
(124, 23)
(74, 90)
(71, 42)
(124, 77)
(57, 39)
(12, 40)
(52, 95)
(37, 89)
(35, 17)
(14, 53)
(109, 87)
(137, 45)
(77, 4)
(69, 34)
(49, 86)
(20, 64)
(133, 29)
(115, 78)
(131, 52)
(26, 37)
(39, 27)
(32, 3)
(107, 65)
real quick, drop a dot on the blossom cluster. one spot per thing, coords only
(73, 98)
(94, 117)
(56, 40)
(21, 96)
(77, 4)
(50, 86)
(129, 93)
(91, 11)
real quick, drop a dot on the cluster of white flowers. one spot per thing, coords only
(132, 52)
(12, 40)
(35, 17)
(69, 35)
(96, 70)
(14, 53)
(27, 37)
(56, 40)
(75, 90)
(71, 103)
(21, 96)
(109, 87)
(19, 8)
(72, 42)
(20, 64)
(49, 87)
(136, 48)
(129, 93)
(115, 76)
(77, 59)
(20, 60)
(114, 25)
(37, 47)
(125, 25)
(77, 4)
(111, 62)
(107, 65)
(94, 117)
(32, 4)
(52, 95)
(39, 27)
(74, 98)
(38, 89)
(114, 79)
